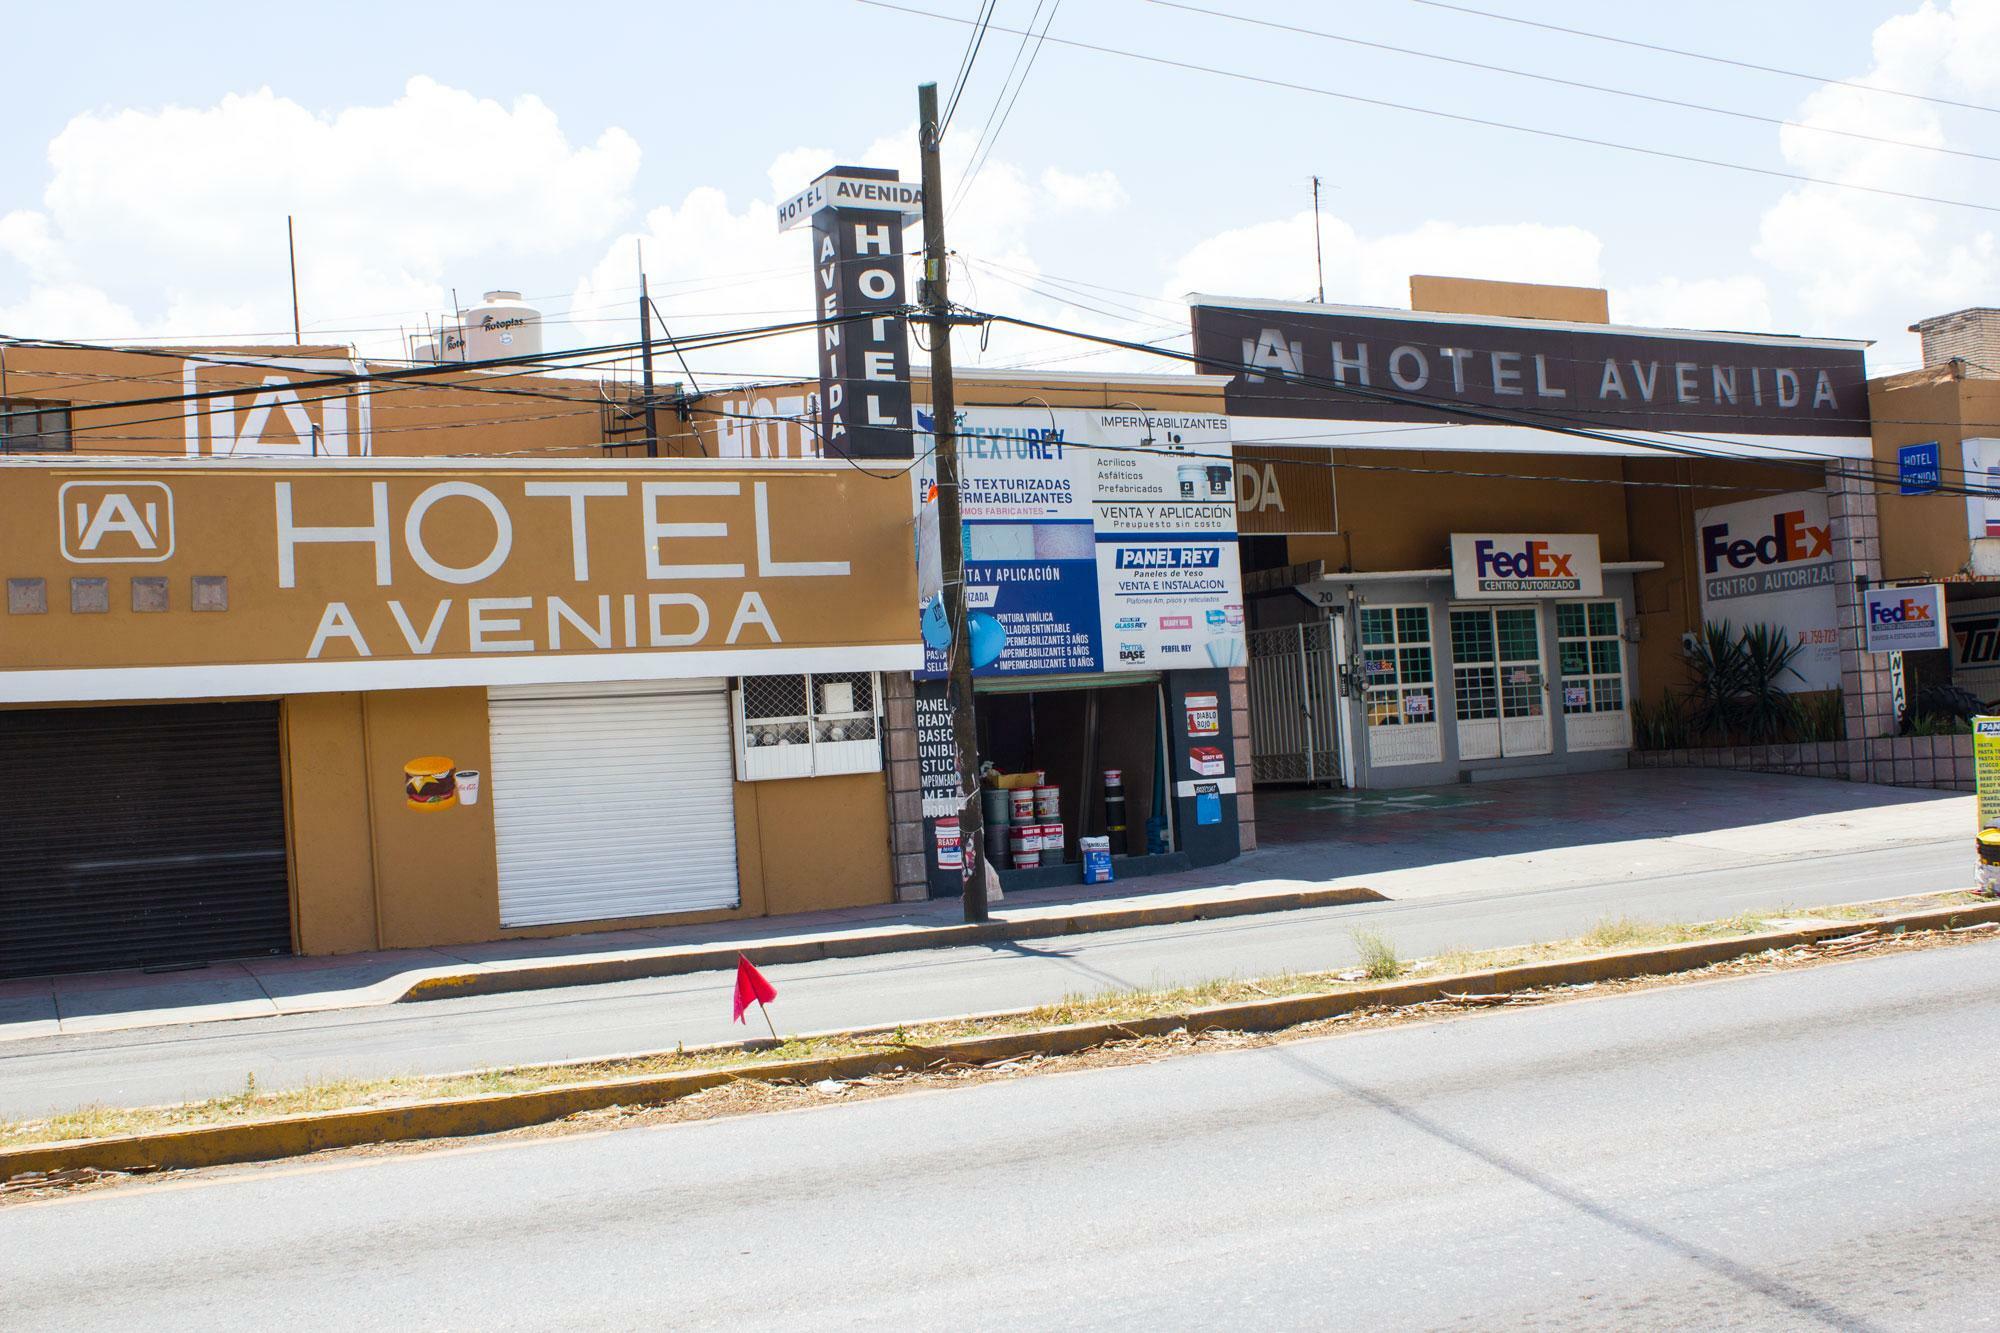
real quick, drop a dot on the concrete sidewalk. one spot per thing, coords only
(1319, 848)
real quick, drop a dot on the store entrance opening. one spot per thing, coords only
(1073, 736)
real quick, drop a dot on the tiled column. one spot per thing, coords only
(1864, 677)
(906, 813)
(1239, 727)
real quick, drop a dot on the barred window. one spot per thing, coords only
(1590, 647)
(31, 427)
(1396, 665)
(809, 725)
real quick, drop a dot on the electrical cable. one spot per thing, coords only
(983, 147)
(1537, 421)
(983, 18)
(1459, 118)
(1700, 55)
(1577, 83)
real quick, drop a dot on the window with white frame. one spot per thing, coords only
(1590, 648)
(1396, 665)
(809, 725)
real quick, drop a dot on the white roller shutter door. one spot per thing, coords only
(612, 800)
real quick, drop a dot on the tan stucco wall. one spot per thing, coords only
(437, 878)
(369, 872)
(1510, 300)
(1924, 536)
(326, 783)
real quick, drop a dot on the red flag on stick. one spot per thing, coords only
(753, 985)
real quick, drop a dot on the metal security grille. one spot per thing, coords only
(612, 800)
(1294, 703)
(136, 837)
(807, 725)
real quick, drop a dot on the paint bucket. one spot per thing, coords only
(1096, 859)
(1191, 477)
(1114, 803)
(950, 849)
(993, 803)
(1021, 805)
(1048, 803)
(1987, 877)
(1024, 847)
(996, 843)
(1052, 844)
(1220, 480)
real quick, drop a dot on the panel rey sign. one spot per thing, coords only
(287, 575)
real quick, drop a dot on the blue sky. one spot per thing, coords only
(143, 191)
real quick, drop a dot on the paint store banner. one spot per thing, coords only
(1098, 539)
(1770, 561)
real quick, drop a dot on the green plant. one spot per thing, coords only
(1766, 709)
(1822, 716)
(1660, 726)
(1734, 682)
(1378, 955)
(1933, 724)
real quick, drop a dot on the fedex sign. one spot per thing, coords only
(1791, 550)
(1519, 564)
(1904, 620)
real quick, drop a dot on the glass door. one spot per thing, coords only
(1499, 685)
(1524, 687)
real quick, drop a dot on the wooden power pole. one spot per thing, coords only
(951, 547)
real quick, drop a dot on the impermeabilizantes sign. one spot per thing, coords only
(864, 364)
(1345, 363)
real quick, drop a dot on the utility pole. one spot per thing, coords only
(292, 253)
(951, 547)
(646, 362)
(1319, 264)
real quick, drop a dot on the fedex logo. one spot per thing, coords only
(1536, 561)
(126, 522)
(1790, 538)
(1906, 611)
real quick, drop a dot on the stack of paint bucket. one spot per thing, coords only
(1024, 834)
(1048, 817)
(994, 809)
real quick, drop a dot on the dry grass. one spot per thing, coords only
(1379, 962)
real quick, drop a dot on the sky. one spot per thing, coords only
(427, 151)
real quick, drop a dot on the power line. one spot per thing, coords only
(1701, 55)
(982, 148)
(1483, 122)
(983, 20)
(1576, 83)
(1550, 422)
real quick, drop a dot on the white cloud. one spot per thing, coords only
(176, 216)
(1856, 263)
(1275, 259)
(1091, 192)
(1739, 302)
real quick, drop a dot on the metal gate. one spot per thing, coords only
(141, 836)
(1295, 703)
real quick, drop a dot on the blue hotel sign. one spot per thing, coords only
(1917, 468)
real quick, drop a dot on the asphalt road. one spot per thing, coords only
(1807, 1149)
(41, 1076)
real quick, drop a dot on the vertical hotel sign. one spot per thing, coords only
(864, 363)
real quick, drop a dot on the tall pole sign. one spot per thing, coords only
(857, 214)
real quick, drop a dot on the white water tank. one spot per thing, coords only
(501, 325)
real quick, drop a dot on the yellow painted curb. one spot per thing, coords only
(1085, 920)
(296, 1135)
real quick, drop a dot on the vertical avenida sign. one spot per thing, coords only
(864, 365)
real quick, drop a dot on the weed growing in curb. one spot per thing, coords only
(1378, 955)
